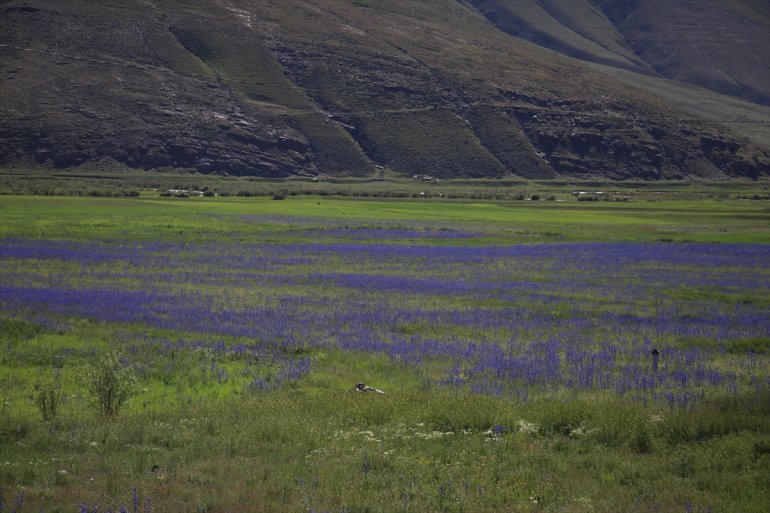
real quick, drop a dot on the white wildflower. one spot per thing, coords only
(527, 427)
(581, 431)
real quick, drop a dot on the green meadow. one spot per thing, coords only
(200, 354)
(197, 218)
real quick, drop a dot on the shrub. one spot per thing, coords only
(48, 397)
(110, 380)
(641, 440)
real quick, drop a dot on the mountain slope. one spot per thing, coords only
(338, 87)
(720, 45)
(571, 27)
(715, 44)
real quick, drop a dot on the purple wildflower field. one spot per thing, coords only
(501, 320)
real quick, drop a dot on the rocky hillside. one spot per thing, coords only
(446, 88)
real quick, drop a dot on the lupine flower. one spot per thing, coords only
(503, 320)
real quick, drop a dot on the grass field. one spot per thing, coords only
(199, 354)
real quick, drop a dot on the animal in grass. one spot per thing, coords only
(361, 387)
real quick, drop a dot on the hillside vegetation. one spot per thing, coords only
(450, 89)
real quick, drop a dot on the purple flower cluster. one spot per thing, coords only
(287, 372)
(17, 504)
(503, 319)
(370, 234)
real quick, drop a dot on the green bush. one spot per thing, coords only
(110, 380)
(48, 397)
